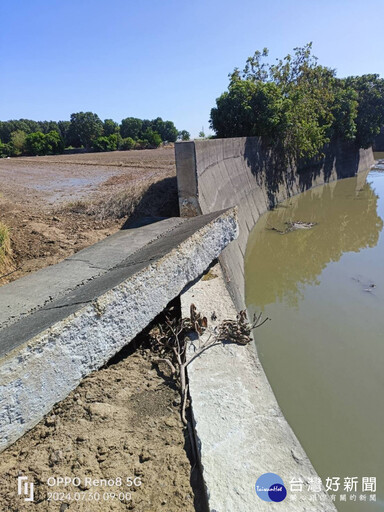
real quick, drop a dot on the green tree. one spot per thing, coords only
(35, 144)
(131, 127)
(298, 105)
(183, 135)
(292, 103)
(72, 137)
(344, 111)
(3, 131)
(54, 144)
(106, 143)
(141, 144)
(46, 127)
(67, 134)
(110, 127)
(127, 143)
(370, 111)
(153, 138)
(157, 125)
(250, 109)
(146, 123)
(63, 130)
(27, 125)
(166, 129)
(87, 126)
(24, 125)
(17, 142)
(169, 132)
(5, 150)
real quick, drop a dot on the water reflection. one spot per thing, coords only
(347, 220)
(323, 351)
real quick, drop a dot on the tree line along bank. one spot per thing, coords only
(298, 106)
(84, 130)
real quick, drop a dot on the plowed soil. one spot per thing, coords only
(48, 202)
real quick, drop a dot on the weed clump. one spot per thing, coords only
(5, 249)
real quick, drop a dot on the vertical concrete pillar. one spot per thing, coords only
(185, 156)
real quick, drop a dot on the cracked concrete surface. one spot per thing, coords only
(48, 349)
(23, 296)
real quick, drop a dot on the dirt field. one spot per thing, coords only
(123, 420)
(56, 205)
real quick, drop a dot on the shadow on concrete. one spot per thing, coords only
(133, 223)
(342, 157)
(159, 201)
(269, 166)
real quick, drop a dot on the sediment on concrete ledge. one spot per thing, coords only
(65, 329)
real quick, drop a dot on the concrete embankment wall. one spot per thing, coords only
(241, 431)
(216, 174)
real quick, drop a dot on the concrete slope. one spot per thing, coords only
(49, 347)
(220, 173)
(240, 429)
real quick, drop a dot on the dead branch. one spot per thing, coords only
(202, 349)
(170, 340)
(292, 226)
(183, 405)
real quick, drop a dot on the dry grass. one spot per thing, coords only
(5, 249)
(156, 199)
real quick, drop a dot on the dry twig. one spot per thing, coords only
(169, 341)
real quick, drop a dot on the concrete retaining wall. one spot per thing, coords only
(219, 173)
(79, 313)
(240, 429)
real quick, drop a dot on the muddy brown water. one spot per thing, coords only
(323, 350)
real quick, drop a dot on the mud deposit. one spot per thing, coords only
(122, 421)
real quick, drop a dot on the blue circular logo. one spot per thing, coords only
(270, 487)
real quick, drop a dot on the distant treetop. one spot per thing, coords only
(85, 129)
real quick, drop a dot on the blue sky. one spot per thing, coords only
(167, 58)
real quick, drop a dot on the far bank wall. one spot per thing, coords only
(219, 173)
